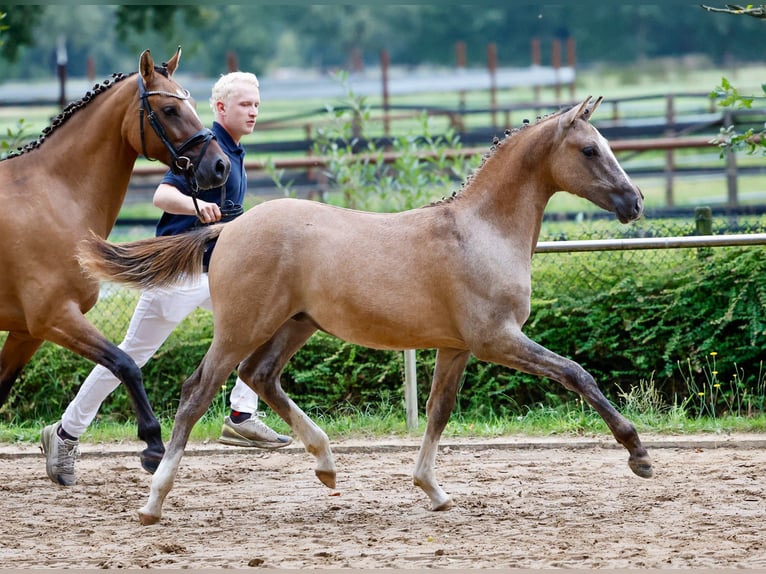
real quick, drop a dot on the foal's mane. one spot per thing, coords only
(74, 107)
(497, 143)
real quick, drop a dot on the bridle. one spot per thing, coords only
(180, 164)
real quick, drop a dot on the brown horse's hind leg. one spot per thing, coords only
(17, 351)
(261, 371)
(450, 364)
(526, 355)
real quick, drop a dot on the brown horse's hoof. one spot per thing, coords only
(326, 477)
(150, 461)
(641, 466)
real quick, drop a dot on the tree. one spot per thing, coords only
(729, 97)
(19, 24)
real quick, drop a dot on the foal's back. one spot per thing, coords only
(384, 280)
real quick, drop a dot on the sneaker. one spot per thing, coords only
(252, 432)
(60, 455)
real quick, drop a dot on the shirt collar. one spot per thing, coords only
(225, 140)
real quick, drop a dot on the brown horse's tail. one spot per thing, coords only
(155, 262)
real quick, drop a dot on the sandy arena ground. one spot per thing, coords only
(520, 503)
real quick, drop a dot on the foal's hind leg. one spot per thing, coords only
(17, 351)
(520, 352)
(450, 364)
(261, 371)
(197, 394)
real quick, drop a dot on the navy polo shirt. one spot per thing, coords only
(236, 186)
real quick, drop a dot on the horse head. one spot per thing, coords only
(586, 166)
(169, 128)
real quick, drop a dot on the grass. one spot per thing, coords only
(378, 422)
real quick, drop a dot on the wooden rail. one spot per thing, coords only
(312, 161)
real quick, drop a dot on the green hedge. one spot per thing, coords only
(626, 318)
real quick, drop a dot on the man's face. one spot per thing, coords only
(239, 114)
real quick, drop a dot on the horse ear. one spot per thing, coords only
(146, 66)
(577, 112)
(172, 65)
(596, 104)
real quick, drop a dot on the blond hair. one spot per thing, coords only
(224, 87)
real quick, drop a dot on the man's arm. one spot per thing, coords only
(170, 199)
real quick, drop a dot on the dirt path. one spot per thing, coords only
(520, 503)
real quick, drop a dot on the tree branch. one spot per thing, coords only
(755, 12)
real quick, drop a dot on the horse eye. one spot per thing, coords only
(589, 151)
(170, 111)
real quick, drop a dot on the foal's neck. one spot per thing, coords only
(513, 186)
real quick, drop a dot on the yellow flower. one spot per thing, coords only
(701, 393)
(715, 373)
(713, 353)
(717, 385)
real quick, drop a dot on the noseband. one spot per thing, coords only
(180, 164)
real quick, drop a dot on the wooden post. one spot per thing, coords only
(410, 390)
(535, 49)
(61, 64)
(556, 62)
(232, 65)
(492, 65)
(91, 63)
(460, 57)
(572, 63)
(670, 167)
(384, 63)
(731, 167)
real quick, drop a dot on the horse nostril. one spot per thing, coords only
(220, 168)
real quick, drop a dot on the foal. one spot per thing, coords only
(454, 276)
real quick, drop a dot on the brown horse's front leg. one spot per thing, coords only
(80, 336)
(519, 352)
(17, 351)
(450, 364)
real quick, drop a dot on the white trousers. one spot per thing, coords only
(157, 313)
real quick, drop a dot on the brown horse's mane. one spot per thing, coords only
(74, 107)
(496, 144)
(68, 112)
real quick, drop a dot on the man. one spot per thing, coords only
(235, 101)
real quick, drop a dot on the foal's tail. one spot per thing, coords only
(155, 262)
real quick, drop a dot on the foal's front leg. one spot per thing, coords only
(450, 364)
(520, 352)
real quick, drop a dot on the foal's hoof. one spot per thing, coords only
(641, 466)
(146, 518)
(444, 505)
(326, 477)
(150, 461)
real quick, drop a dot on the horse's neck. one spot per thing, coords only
(511, 190)
(91, 158)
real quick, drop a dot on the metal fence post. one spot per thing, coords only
(703, 224)
(410, 390)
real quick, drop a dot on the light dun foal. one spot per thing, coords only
(454, 276)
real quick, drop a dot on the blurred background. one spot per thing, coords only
(680, 82)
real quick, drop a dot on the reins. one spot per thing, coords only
(180, 163)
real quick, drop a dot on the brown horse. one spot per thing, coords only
(454, 276)
(72, 181)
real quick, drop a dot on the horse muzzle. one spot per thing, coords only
(629, 204)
